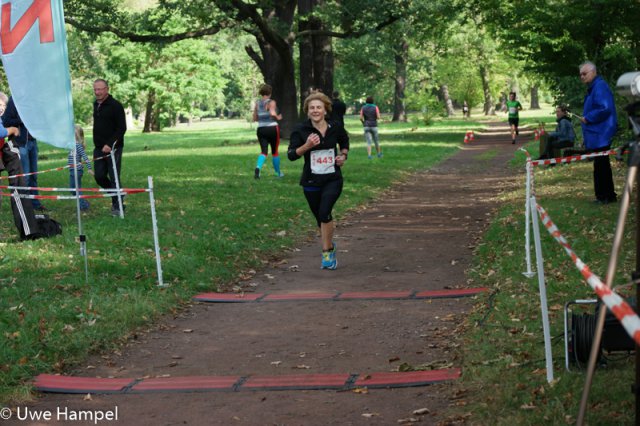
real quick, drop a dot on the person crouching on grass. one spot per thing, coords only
(325, 148)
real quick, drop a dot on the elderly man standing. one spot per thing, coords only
(599, 124)
(109, 127)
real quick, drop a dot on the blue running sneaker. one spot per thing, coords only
(329, 260)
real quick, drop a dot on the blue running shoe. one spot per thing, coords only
(329, 260)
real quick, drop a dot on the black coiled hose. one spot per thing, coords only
(583, 329)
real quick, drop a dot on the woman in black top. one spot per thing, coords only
(325, 148)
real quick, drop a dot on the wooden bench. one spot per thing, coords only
(560, 152)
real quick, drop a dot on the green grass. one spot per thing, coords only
(215, 221)
(504, 369)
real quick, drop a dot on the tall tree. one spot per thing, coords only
(553, 37)
(271, 23)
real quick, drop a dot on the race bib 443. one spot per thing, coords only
(323, 161)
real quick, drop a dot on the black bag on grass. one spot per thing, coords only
(47, 227)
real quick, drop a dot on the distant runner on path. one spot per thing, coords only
(513, 107)
(369, 116)
(266, 114)
(317, 141)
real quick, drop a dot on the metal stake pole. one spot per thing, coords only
(546, 329)
(156, 240)
(527, 221)
(117, 179)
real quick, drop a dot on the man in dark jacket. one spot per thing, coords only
(22, 208)
(28, 147)
(599, 124)
(109, 127)
(338, 109)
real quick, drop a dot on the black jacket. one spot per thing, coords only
(10, 118)
(335, 139)
(109, 123)
(338, 110)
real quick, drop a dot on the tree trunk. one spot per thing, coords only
(400, 56)
(316, 63)
(535, 100)
(305, 48)
(489, 107)
(275, 62)
(148, 115)
(128, 112)
(279, 73)
(444, 90)
(323, 63)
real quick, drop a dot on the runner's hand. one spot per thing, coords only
(313, 140)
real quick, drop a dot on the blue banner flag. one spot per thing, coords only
(34, 55)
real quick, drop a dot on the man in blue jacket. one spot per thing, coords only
(599, 124)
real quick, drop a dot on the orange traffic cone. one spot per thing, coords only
(471, 136)
(466, 137)
(536, 135)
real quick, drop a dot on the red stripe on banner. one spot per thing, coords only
(68, 384)
(307, 381)
(375, 295)
(160, 384)
(228, 297)
(449, 293)
(413, 378)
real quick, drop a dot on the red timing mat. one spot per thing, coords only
(359, 295)
(69, 384)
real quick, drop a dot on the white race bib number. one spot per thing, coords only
(323, 161)
(513, 110)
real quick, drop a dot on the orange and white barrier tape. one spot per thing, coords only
(616, 304)
(106, 193)
(42, 188)
(56, 169)
(571, 158)
(67, 197)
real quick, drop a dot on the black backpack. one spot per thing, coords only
(47, 227)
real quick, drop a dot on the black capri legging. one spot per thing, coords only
(322, 200)
(269, 136)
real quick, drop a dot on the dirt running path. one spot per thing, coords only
(419, 236)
